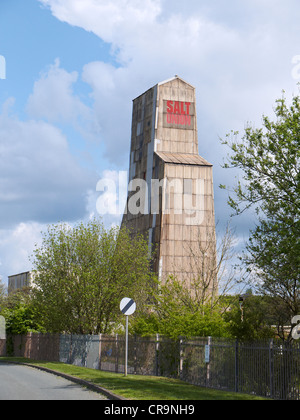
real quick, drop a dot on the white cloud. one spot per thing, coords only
(39, 178)
(113, 21)
(52, 96)
(16, 246)
(237, 54)
(108, 200)
(111, 90)
(53, 99)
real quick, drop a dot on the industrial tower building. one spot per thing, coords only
(170, 194)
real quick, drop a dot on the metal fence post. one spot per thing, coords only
(207, 360)
(117, 355)
(156, 355)
(86, 351)
(70, 361)
(30, 345)
(271, 366)
(135, 355)
(180, 358)
(237, 366)
(100, 350)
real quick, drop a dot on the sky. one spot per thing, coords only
(69, 70)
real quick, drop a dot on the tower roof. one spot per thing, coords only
(165, 82)
(174, 78)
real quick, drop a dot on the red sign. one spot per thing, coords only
(178, 113)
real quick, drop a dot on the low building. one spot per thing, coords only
(19, 281)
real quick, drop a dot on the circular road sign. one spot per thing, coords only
(127, 306)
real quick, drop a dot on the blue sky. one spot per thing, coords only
(32, 38)
(72, 66)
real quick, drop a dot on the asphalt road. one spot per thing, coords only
(25, 383)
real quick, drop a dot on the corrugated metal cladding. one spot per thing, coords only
(179, 222)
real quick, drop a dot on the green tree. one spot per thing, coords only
(249, 320)
(198, 310)
(178, 312)
(19, 313)
(82, 273)
(269, 161)
(2, 292)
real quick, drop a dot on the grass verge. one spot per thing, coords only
(137, 387)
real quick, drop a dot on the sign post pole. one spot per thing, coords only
(127, 307)
(126, 347)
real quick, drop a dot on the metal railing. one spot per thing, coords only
(266, 368)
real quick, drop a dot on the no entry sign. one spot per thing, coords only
(127, 306)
